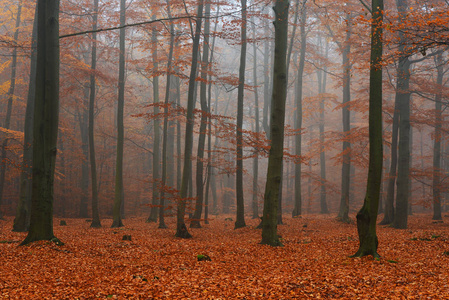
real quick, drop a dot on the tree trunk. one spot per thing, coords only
(346, 165)
(195, 223)
(240, 218)
(389, 202)
(96, 223)
(274, 173)
(181, 229)
(367, 216)
(9, 106)
(45, 127)
(402, 88)
(83, 121)
(156, 140)
(22, 219)
(437, 170)
(118, 198)
(297, 210)
(322, 80)
(255, 204)
(162, 204)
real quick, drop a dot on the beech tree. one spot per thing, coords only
(277, 121)
(118, 195)
(367, 216)
(46, 115)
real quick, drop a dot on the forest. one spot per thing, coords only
(207, 149)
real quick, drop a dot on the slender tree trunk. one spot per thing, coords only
(45, 127)
(181, 229)
(277, 120)
(297, 210)
(118, 199)
(266, 84)
(389, 202)
(209, 134)
(346, 165)
(255, 204)
(9, 106)
(22, 219)
(96, 223)
(322, 80)
(403, 82)
(156, 140)
(240, 218)
(162, 204)
(367, 216)
(195, 223)
(437, 170)
(83, 120)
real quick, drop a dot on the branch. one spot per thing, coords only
(162, 20)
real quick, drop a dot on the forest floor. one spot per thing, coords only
(314, 262)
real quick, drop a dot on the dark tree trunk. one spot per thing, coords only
(297, 210)
(402, 88)
(367, 216)
(274, 173)
(162, 204)
(22, 219)
(195, 223)
(156, 140)
(118, 198)
(96, 223)
(436, 186)
(46, 115)
(181, 229)
(389, 202)
(255, 204)
(240, 218)
(346, 165)
(9, 106)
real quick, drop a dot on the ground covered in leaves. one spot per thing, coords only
(314, 263)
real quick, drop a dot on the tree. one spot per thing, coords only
(240, 218)
(93, 165)
(156, 136)
(203, 125)
(45, 123)
(346, 164)
(277, 120)
(436, 185)
(22, 219)
(9, 107)
(297, 210)
(118, 195)
(367, 216)
(403, 94)
(181, 229)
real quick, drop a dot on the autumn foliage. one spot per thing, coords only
(314, 263)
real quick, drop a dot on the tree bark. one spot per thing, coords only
(45, 130)
(22, 219)
(297, 210)
(118, 196)
(181, 228)
(96, 223)
(277, 120)
(437, 170)
(255, 204)
(9, 106)
(156, 140)
(402, 89)
(240, 218)
(346, 165)
(367, 216)
(195, 223)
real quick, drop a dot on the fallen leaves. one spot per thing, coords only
(314, 263)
